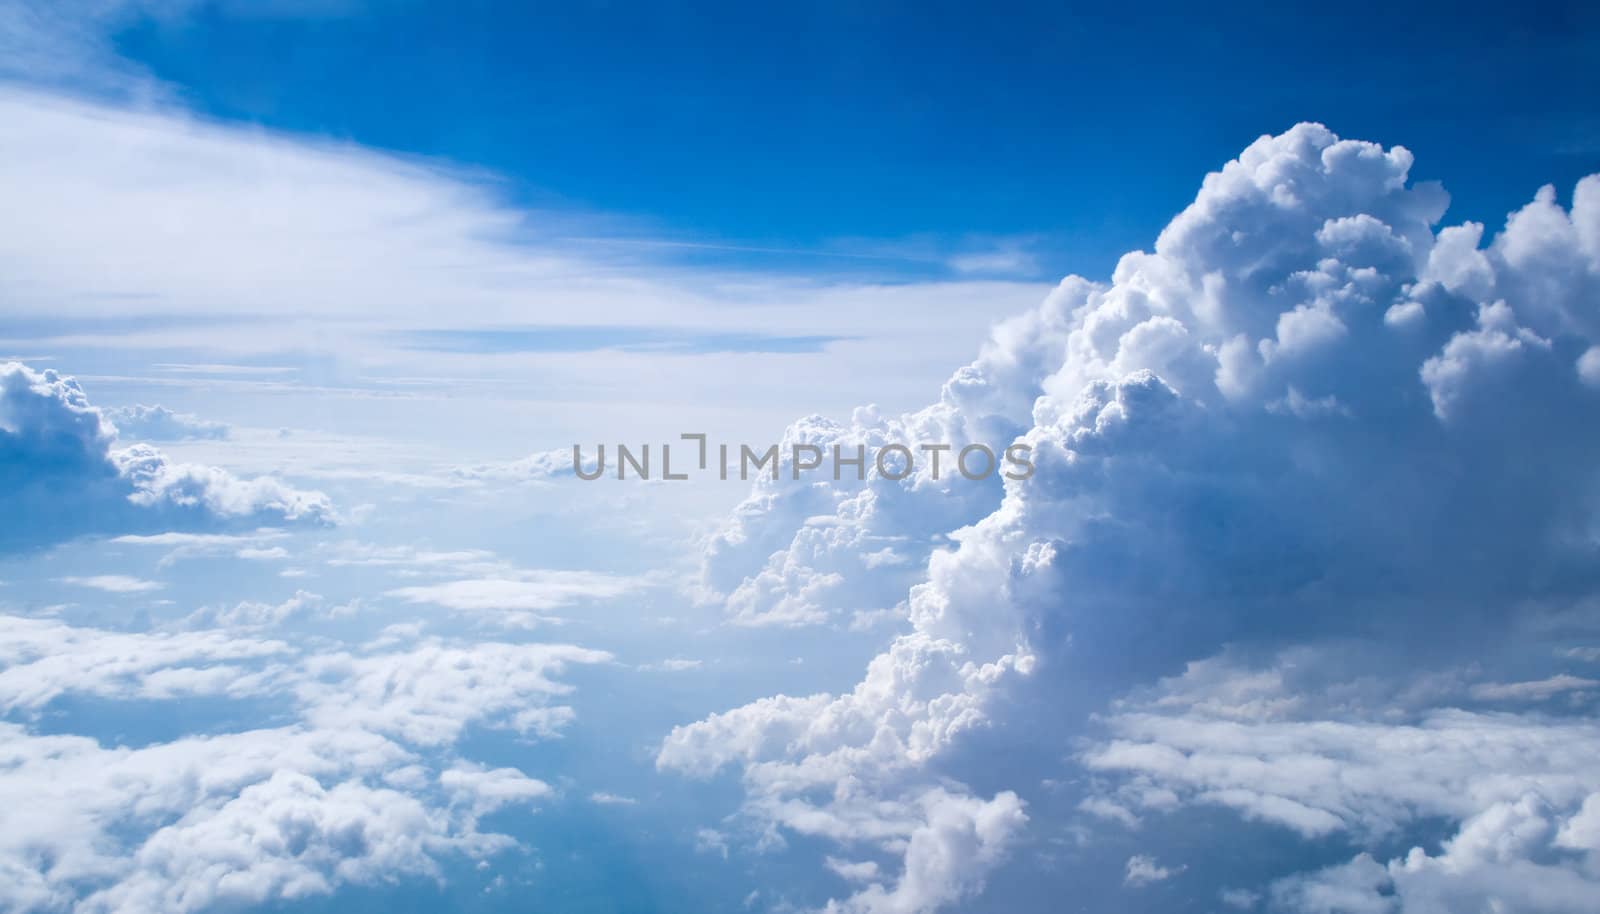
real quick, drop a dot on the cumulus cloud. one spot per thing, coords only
(1519, 789)
(42, 659)
(801, 552)
(59, 468)
(424, 693)
(838, 768)
(427, 694)
(485, 790)
(532, 468)
(949, 850)
(257, 614)
(1308, 412)
(343, 795)
(202, 822)
(157, 423)
(286, 837)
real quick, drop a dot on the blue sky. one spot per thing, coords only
(872, 129)
(304, 306)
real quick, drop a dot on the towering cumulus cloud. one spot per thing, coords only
(1307, 417)
(62, 476)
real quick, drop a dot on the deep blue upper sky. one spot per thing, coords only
(811, 124)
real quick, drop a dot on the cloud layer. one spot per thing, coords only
(360, 787)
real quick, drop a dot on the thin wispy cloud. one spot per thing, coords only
(113, 583)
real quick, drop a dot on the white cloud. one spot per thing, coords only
(42, 659)
(1242, 899)
(241, 818)
(485, 790)
(63, 473)
(711, 841)
(1589, 366)
(187, 545)
(947, 856)
(1520, 790)
(787, 553)
(672, 665)
(347, 553)
(1143, 870)
(262, 815)
(334, 284)
(1231, 441)
(533, 590)
(857, 871)
(365, 245)
(427, 694)
(114, 583)
(1533, 690)
(1003, 261)
(286, 837)
(532, 468)
(157, 423)
(255, 614)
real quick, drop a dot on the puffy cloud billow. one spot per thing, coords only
(157, 423)
(62, 475)
(231, 820)
(361, 785)
(1308, 414)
